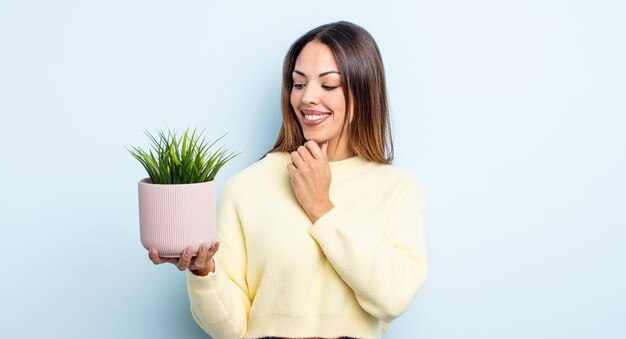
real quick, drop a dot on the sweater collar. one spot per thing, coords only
(339, 169)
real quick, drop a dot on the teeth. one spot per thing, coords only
(315, 117)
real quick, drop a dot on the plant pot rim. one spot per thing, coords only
(148, 181)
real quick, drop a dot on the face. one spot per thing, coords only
(317, 95)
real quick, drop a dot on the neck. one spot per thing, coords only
(335, 153)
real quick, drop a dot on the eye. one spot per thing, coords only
(328, 88)
(298, 86)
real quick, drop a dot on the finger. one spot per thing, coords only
(296, 159)
(293, 171)
(210, 253)
(154, 256)
(168, 260)
(325, 148)
(213, 250)
(314, 149)
(185, 258)
(291, 168)
(305, 153)
(157, 260)
(200, 260)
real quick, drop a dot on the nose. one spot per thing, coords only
(310, 96)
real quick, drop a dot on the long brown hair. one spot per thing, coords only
(363, 78)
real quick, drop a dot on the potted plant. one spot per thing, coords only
(177, 203)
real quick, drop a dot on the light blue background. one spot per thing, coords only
(511, 112)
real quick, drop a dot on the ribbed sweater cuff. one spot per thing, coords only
(324, 229)
(326, 219)
(211, 283)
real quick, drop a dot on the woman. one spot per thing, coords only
(322, 237)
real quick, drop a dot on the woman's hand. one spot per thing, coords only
(310, 178)
(201, 264)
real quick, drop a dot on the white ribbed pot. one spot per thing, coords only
(172, 217)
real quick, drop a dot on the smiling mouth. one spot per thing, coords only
(313, 118)
(312, 115)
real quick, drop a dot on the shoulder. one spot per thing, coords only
(397, 177)
(404, 188)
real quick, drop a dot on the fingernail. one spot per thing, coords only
(189, 250)
(217, 245)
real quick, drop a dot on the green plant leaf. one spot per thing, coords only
(180, 160)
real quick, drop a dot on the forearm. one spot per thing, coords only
(382, 255)
(384, 277)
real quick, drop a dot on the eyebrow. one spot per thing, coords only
(320, 75)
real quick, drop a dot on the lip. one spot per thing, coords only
(314, 112)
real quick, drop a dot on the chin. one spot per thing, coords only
(317, 138)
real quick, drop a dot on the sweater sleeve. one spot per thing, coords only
(384, 273)
(220, 301)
